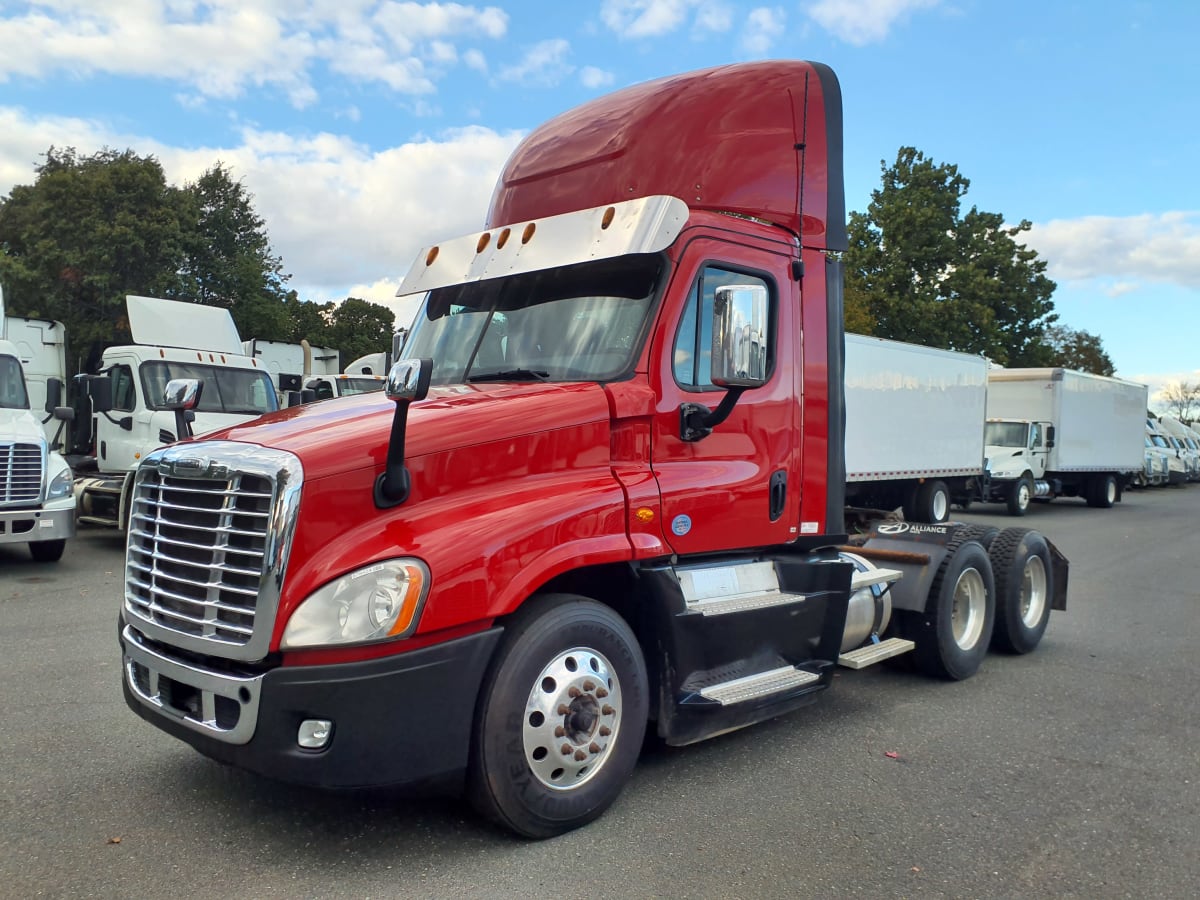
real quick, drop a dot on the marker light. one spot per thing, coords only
(375, 603)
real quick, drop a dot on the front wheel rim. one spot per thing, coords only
(1033, 591)
(572, 718)
(1023, 496)
(968, 609)
(941, 506)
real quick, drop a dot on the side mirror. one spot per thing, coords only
(1049, 436)
(99, 388)
(407, 382)
(741, 336)
(183, 396)
(290, 382)
(54, 388)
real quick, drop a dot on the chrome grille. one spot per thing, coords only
(207, 530)
(21, 469)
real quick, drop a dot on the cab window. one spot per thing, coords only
(124, 395)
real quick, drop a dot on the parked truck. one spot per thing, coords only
(127, 414)
(37, 506)
(603, 490)
(293, 366)
(914, 427)
(1060, 433)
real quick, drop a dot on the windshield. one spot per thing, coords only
(239, 391)
(1159, 441)
(1006, 434)
(12, 384)
(348, 386)
(576, 323)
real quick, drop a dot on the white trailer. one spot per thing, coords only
(914, 427)
(1060, 433)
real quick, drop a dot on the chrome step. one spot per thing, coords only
(869, 654)
(759, 685)
(99, 520)
(860, 580)
(721, 607)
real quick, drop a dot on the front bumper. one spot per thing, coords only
(20, 526)
(399, 720)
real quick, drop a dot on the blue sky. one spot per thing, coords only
(368, 128)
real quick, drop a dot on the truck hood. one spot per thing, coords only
(350, 433)
(19, 425)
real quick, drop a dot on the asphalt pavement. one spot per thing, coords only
(1070, 772)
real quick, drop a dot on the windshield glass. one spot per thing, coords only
(1006, 434)
(348, 386)
(12, 384)
(1159, 441)
(577, 323)
(239, 391)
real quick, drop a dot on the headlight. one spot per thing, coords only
(60, 485)
(374, 603)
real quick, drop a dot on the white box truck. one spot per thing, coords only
(914, 427)
(1060, 433)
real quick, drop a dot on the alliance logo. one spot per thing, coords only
(911, 528)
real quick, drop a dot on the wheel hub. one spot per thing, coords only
(572, 718)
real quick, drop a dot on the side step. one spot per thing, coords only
(870, 654)
(759, 685)
(99, 520)
(721, 607)
(860, 580)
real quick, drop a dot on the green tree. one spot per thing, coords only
(90, 230)
(358, 327)
(919, 270)
(228, 260)
(1078, 350)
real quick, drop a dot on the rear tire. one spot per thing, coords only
(1102, 492)
(568, 676)
(47, 551)
(1024, 589)
(953, 633)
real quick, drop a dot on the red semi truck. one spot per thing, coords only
(602, 492)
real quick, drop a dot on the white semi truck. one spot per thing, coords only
(1060, 433)
(129, 416)
(914, 427)
(37, 506)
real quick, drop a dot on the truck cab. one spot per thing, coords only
(1017, 453)
(37, 505)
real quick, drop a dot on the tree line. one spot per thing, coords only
(91, 229)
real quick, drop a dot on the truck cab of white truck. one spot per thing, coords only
(129, 416)
(1183, 441)
(37, 505)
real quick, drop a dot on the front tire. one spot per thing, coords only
(47, 551)
(953, 633)
(1020, 495)
(1024, 589)
(561, 718)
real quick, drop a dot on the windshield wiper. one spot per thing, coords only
(511, 375)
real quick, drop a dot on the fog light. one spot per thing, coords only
(314, 733)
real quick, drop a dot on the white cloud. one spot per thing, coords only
(655, 18)
(1163, 248)
(544, 65)
(221, 48)
(337, 213)
(591, 77)
(763, 25)
(864, 21)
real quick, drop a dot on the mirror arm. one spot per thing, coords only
(697, 421)
(392, 487)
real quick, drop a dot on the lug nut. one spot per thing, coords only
(559, 731)
(602, 693)
(580, 756)
(605, 731)
(594, 747)
(573, 692)
(563, 709)
(607, 710)
(589, 685)
(566, 749)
